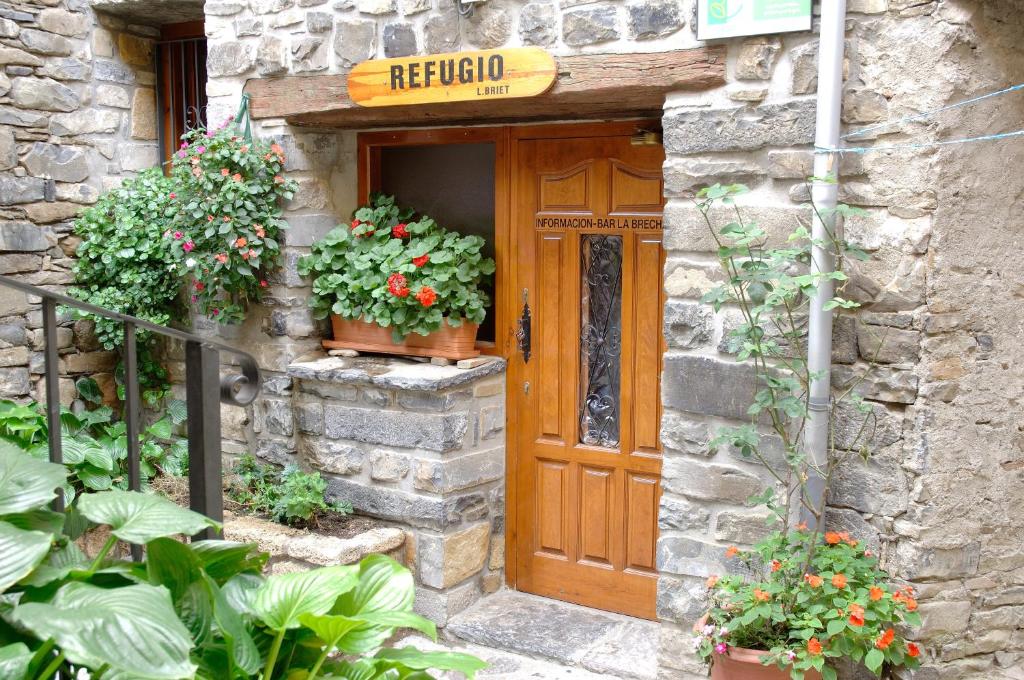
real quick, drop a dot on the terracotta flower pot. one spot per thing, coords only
(739, 663)
(745, 664)
(446, 342)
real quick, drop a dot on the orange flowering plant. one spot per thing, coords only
(399, 270)
(226, 218)
(808, 595)
(806, 599)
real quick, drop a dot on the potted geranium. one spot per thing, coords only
(801, 602)
(396, 282)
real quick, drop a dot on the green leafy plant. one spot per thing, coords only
(796, 610)
(398, 270)
(288, 495)
(123, 264)
(806, 602)
(94, 445)
(189, 610)
(226, 224)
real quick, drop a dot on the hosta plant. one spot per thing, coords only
(95, 446)
(226, 228)
(806, 600)
(188, 610)
(399, 270)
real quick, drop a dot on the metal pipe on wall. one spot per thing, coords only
(825, 197)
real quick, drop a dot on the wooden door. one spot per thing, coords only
(586, 482)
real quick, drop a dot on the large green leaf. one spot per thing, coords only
(14, 661)
(140, 518)
(224, 559)
(240, 644)
(240, 592)
(20, 552)
(285, 597)
(58, 564)
(414, 659)
(172, 565)
(26, 483)
(330, 628)
(384, 586)
(134, 629)
(43, 519)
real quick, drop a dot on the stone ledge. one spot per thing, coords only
(392, 372)
(315, 550)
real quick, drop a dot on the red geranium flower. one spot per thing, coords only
(398, 231)
(426, 296)
(199, 285)
(421, 260)
(886, 639)
(813, 647)
(396, 285)
(913, 651)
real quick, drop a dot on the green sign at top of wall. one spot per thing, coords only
(731, 18)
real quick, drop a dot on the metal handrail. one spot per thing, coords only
(202, 381)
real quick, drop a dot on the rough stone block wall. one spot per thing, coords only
(77, 115)
(419, 446)
(937, 298)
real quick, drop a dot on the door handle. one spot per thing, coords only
(523, 328)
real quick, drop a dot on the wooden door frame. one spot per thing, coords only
(507, 302)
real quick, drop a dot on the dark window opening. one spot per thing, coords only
(181, 83)
(452, 183)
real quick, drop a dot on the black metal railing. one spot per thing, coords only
(205, 390)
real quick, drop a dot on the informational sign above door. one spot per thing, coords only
(458, 77)
(732, 18)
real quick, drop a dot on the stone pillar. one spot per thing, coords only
(418, 445)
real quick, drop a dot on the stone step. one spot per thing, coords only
(610, 645)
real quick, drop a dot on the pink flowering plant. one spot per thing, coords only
(400, 270)
(805, 600)
(227, 218)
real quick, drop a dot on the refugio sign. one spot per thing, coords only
(732, 18)
(457, 77)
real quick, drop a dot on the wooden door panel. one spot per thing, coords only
(547, 317)
(647, 341)
(634, 190)
(595, 513)
(552, 507)
(568, 191)
(641, 520)
(587, 218)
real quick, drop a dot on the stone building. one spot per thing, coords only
(437, 450)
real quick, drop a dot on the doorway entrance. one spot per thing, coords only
(577, 235)
(584, 387)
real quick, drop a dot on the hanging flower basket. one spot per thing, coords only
(446, 342)
(397, 283)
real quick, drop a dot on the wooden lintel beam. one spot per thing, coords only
(587, 87)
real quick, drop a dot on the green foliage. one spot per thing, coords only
(399, 270)
(226, 218)
(806, 601)
(191, 610)
(123, 265)
(289, 496)
(770, 286)
(94, 445)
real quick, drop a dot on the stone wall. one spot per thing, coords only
(77, 114)
(419, 446)
(938, 296)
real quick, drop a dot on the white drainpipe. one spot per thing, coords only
(825, 196)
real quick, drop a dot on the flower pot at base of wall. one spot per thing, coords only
(745, 664)
(446, 342)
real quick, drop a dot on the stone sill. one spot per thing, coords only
(392, 373)
(292, 549)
